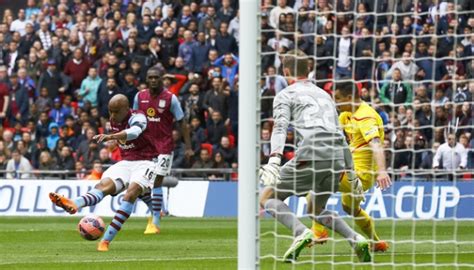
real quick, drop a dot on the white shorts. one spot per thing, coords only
(124, 172)
(163, 164)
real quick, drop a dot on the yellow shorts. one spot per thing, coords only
(366, 177)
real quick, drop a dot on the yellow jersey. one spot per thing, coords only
(360, 128)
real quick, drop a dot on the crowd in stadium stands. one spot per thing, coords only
(62, 60)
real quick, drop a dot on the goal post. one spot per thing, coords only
(248, 136)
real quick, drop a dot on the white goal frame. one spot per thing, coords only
(249, 148)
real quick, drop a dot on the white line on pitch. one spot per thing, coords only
(220, 258)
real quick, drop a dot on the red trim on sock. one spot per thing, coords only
(115, 226)
(123, 213)
(119, 220)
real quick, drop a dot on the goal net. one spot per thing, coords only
(412, 63)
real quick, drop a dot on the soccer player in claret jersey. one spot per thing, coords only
(134, 173)
(162, 108)
(320, 159)
(364, 129)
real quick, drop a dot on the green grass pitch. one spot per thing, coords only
(54, 243)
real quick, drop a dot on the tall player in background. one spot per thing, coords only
(133, 173)
(364, 129)
(162, 108)
(322, 155)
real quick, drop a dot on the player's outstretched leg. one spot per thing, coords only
(278, 209)
(93, 197)
(365, 222)
(157, 203)
(332, 221)
(151, 228)
(321, 234)
(121, 216)
(65, 203)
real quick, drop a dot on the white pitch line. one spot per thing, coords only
(222, 258)
(130, 260)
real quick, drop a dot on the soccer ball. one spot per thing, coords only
(91, 227)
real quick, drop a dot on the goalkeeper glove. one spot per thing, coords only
(270, 174)
(356, 186)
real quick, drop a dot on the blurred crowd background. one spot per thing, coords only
(61, 61)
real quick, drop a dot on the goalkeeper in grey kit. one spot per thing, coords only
(321, 157)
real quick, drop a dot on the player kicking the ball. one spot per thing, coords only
(365, 132)
(320, 159)
(134, 173)
(161, 108)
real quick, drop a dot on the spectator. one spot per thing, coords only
(104, 96)
(406, 66)
(226, 12)
(19, 25)
(270, 85)
(174, 82)
(27, 40)
(396, 92)
(226, 43)
(344, 53)
(91, 155)
(274, 82)
(179, 158)
(192, 103)
(114, 150)
(65, 159)
(84, 142)
(229, 65)
(59, 112)
(18, 167)
(3, 164)
(204, 162)
(104, 157)
(77, 68)
(46, 162)
(4, 101)
(199, 53)
(450, 155)
(215, 98)
(90, 87)
(462, 93)
(363, 49)
(198, 135)
(19, 104)
(470, 157)
(96, 172)
(219, 163)
(439, 99)
(169, 45)
(26, 82)
(281, 8)
(229, 154)
(53, 136)
(215, 128)
(52, 80)
(186, 48)
(234, 27)
(81, 171)
(146, 28)
(266, 147)
(129, 87)
(233, 115)
(45, 35)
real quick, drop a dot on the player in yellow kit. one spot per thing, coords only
(364, 129)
